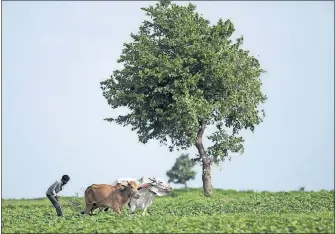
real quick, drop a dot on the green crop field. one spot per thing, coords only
(183, 211)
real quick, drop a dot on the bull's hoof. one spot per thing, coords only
(106, 209)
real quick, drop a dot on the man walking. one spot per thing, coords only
(54, 189)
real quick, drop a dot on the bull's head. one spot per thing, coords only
(159, 188)
(131, 187)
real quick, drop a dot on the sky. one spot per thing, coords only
(55, 54)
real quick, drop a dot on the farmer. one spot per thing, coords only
(54, 189)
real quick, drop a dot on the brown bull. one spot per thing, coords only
(105, 188)
(105, 195)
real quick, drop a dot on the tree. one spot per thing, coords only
(180, 75)
(181, 172)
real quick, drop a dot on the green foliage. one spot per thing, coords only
(186, 210)
(181, 172)
(179, 72)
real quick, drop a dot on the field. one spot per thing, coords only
(183, 211)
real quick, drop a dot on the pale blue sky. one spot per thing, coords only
(54, 54)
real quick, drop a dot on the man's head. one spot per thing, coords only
(65, 179)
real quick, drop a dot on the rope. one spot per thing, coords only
(75, 204)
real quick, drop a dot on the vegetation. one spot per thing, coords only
(185, 210)
(181, 172)
(180, 74)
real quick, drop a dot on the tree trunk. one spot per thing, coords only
(206, 163)
(207, 178)
(185, 184)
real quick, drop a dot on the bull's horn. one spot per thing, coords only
(152, 179)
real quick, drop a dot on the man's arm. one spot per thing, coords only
(53, 188)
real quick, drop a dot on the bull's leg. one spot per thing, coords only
(132, 209)
(144, 211)
(116, 208)
(88, 208)
(93, 208)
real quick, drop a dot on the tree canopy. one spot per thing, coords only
(181, 74)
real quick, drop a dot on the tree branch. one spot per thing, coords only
(199, 143)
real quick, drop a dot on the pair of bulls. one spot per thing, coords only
(138, 195)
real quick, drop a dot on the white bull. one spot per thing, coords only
(148, 191)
